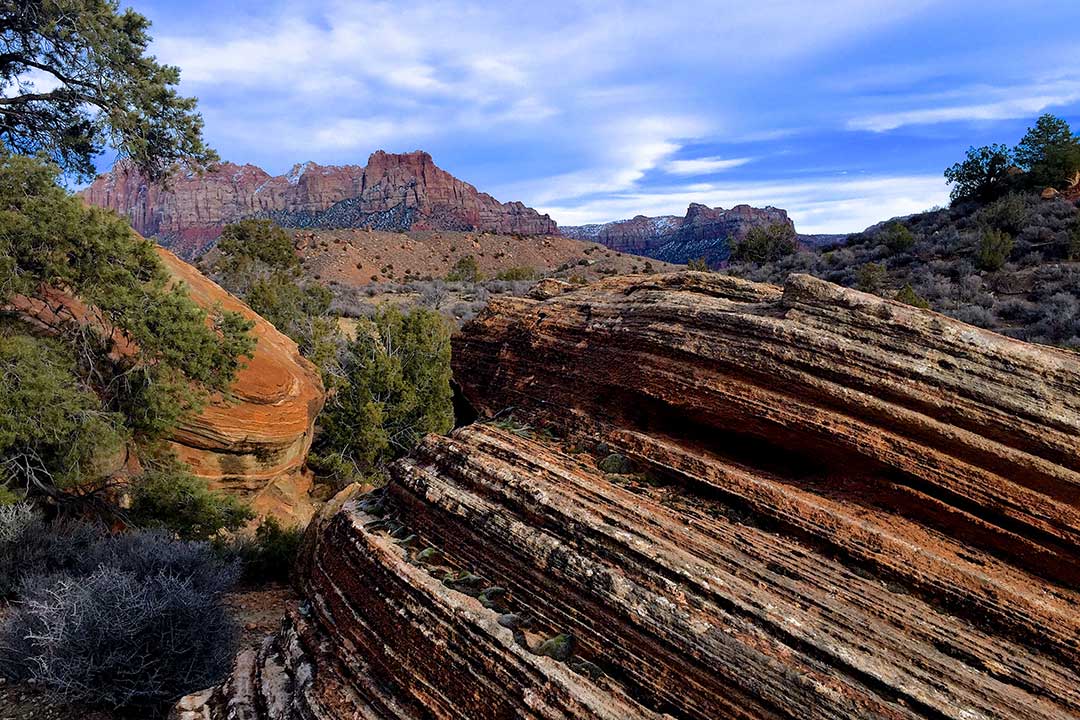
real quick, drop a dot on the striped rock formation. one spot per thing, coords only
(255, 442)
(714, 499)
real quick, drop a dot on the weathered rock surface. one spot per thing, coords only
(716, 499)
(254, 443)
(392, 192)
(703, 232)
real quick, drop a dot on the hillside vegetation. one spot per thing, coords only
(1003, 256)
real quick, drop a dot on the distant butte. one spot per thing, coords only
(704, 232)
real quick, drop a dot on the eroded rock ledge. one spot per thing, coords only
(714, 499)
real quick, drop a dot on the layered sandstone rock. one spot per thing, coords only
(714, 499)
(254, 443)
(703, 232)
(394, 191)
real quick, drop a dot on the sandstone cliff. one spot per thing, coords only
(716, 499)
(392, 192)
(702, 232)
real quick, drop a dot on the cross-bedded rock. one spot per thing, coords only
(706, 498)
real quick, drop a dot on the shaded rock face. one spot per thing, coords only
(254, 444)
(392, 192)
(717, 499)
(703, 232)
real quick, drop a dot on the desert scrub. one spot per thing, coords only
(115, 639)
(130, 620)
(169, 496)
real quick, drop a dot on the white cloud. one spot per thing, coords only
(825, 205)
(703, 166)
(33, 81)
(466, 64)
(621, 152)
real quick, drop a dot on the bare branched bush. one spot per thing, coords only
(116, 639)
(14, 519)
(135, 619)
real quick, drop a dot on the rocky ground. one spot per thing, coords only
(359, 257)
(258, 611)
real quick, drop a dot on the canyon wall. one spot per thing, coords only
(701, 497)
(392, 192)
(703, 232)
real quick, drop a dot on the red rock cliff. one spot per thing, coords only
(705, 498)
(394, 191)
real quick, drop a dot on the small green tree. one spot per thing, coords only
(981, 175)
(698, 265)
(870, 277)
(993, 250)
(908, 296)
(55, 432)
(301, 312)
(1049, 153)
(253, 249)
(258, 263)
(396, 389)
(99, 87)
(168, 496)
(465, 269)
(897, 237)
(517, 273)
(766, 243)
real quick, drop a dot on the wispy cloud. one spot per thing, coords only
(703, 166)
(823, 205)
(599, 110)
(1012, 103)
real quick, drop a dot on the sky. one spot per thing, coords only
(843, 112)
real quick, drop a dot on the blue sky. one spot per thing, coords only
(844, 112)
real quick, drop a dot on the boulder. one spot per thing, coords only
(834, 505)
(254, 443)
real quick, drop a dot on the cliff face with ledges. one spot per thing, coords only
(715, 499)
(392, 192)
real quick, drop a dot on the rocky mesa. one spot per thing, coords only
(392, 192)
(703, 232)
(702, 497)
